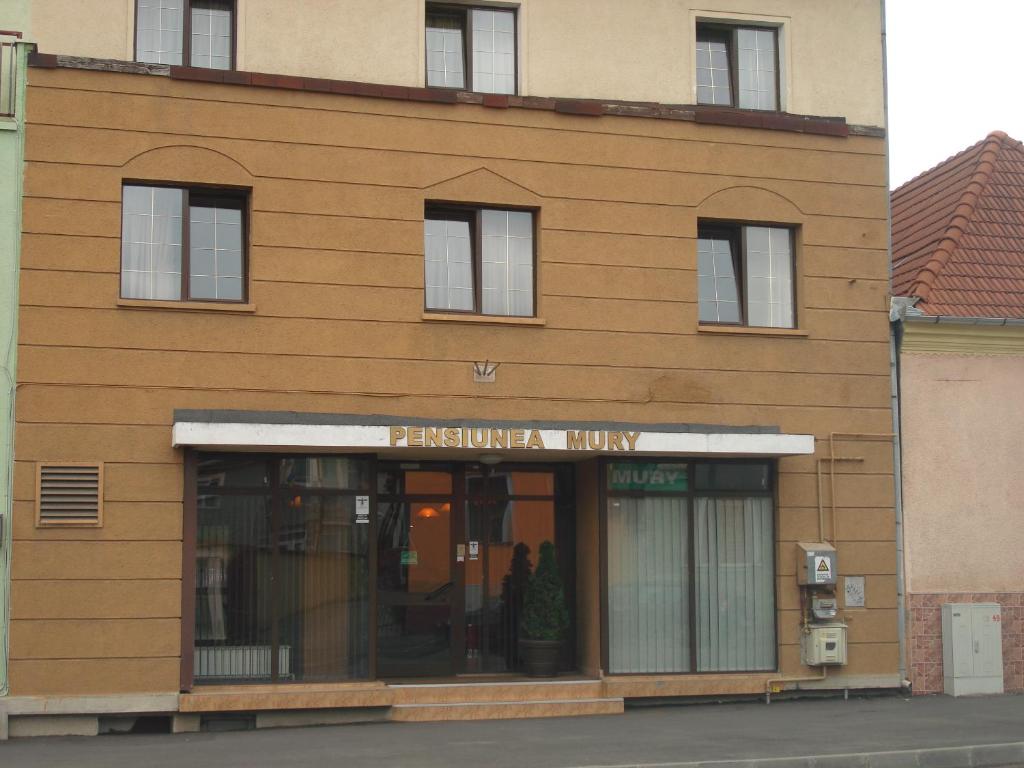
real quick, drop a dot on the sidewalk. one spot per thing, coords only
(866, 733)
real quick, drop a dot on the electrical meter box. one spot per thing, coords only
(972, 648)
(824, 645)
(816, 564)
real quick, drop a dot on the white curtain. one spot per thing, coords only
(734, 568)
(648, 593)
(507, 263)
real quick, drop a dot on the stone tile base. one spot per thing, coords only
(924, 637)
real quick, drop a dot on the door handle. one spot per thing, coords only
(439, 591)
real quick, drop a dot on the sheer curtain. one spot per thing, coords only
(648, 593)
(735, 587)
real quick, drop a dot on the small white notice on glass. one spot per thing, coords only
(362, 509)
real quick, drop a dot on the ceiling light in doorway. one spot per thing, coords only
(490, 459)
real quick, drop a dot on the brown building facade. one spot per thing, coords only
(310, 369)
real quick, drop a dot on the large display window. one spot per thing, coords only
(690, 572)
(282, 564)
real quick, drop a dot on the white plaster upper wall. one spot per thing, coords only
(963, 486)
(102, 29)
(640, 50)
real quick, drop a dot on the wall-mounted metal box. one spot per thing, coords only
(824, 644)
(972, 648)
(816, 564)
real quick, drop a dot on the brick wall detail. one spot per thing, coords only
(924, 637)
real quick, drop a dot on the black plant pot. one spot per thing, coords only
(540, 657)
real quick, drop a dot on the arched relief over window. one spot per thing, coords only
(747, 265)
(188, 164)
(748, 203)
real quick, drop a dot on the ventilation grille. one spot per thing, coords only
(70, 494)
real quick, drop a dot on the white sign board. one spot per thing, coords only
(363, 509)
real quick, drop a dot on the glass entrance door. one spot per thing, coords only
(509, 513)
(415, 575)
(456, 544)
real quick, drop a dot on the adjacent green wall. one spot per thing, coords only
(12, 146)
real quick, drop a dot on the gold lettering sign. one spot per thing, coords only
(491, 438)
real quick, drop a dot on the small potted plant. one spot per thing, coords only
(545, 617)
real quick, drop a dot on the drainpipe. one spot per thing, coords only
(897, 311)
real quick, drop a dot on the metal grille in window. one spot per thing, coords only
(70, 494)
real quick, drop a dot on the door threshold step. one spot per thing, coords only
(467, 682)
(482, 693)
(505, 710)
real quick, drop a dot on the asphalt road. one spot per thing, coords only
(643, 736)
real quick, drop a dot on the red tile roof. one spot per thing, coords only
(958, 233)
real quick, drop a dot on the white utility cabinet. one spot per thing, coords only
(972, 648)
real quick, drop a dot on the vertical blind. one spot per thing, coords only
(648, 593)
(649, 584)
(734, 584)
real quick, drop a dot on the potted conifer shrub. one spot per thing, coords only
(545, 616)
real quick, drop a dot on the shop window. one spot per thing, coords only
(282, 559)
(181, 244)
(471, 48)
(690, 571)
(745, 275)
(199, 33)
(479, 260)
(738, 66)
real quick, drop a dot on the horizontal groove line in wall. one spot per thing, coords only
(598, 200)
(45, 659)
(446, 155)
(812, 508)
(97, 618)
(399, 116)
(780, 406)
(420, 323)
(587, 265)
(747, 372)
(380, 185)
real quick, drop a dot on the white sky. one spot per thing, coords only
(955, 75)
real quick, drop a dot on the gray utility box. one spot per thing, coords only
(972, 648)
(816, 564)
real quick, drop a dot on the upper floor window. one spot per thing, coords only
(738, 66)
(198, 33)
(181, 244)
(471, 48)
(745, 275)
(479, 260)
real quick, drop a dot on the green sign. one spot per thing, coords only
(410, 558)
(647, 477)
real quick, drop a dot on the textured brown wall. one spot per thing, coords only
(338, 189)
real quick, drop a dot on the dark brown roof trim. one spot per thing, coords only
(742, 118)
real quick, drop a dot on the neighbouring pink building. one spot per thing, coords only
(958, 258)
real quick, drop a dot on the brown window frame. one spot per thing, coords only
(736, 234)
(221, 197)
(462, 13)
(186, 35)
(727, 33)
(472, 214)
